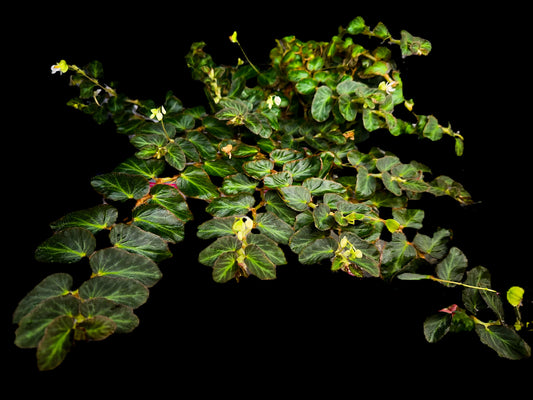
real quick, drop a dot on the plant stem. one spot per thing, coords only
(461, 284)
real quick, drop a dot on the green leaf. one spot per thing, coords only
(120, 186)
(97, 328)
(318, 250)
(194, 182)
(347, 107)
(121, 263)
(238, 183)
(397, 253)
(319, 187)
(453, 267)
(282, 156)
(66, 246)
(436, 326)
(322, 104)
(296, 197)
(408, 276)
(356, 26)
(505, 341)
(225, 267)
(475, 299)
(303, 168)
(412, 45)
(216, 227)
(93, 219)
(371, 120)
(258, 263)
(258, 169)
(408, 218)
(231, 206)
(276, 205)
(392, 225)
(55, 344)
(515, 295)
(55, 285)
(274, 227)
(322, 217)
(365, 184)
(219, 167)
(370, 261)
(123, 317)
(225, 244)
(435, 246)
(175, 156)
(258, 124)
(136, 240)
(278, 180)
(32, 327)
(128, 292)
(168, 197)
(156, 219)
(306, 86)
(149, 169)
(200, 140)
(432, 129)
(269, 247)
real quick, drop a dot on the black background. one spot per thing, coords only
(310, 328)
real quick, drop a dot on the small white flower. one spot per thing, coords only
(158, 113)
(273, 100)
(388, 87)
(60, 67)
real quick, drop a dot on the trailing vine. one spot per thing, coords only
(277, 163)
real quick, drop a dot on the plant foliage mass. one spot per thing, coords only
(276, 161)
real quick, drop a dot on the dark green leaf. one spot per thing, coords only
(322, 217)
(319, 187)
(408, 218)
(136, 240)
(149, 169)
(258, 124)
(97, 328)
(274, 227)
(258, 263)
(128, 292)
(296, 197)
(123, 317)
(120, 186)
(121, 263)
(435, 247)
(175, 156)
(347, 107)
(366, 184)
(56, 343)
(475, 299)
(436, 326)
(453, 267)
(303, 168)
(258, 169)
(225, 244)
(93, 219)
(219, 167)
(194, 182)
(156, 219)
(216, 227)
(278, 180)
(505, 341)
(322, 104)
(232, 205)
(55, 285)
(238, 183)
(32, 326)
(200, 140)
(169, 198)
(66, 246)
(269, 247)
(318, 250)
(225, 267)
